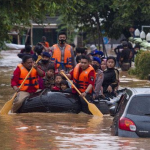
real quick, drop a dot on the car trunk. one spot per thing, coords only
(142, 124)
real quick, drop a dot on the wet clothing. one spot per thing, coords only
(111, 77)
(64, 56)
(98, 82)
(21, 96)
(90, 77)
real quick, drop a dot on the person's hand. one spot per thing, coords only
(83, 94)
(35, 65)
(62, 71)
(109, 89)
(16, 88)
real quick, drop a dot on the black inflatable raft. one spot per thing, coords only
(58, 102)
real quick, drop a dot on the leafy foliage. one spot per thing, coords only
(21, 12)
(142, 63)
(132, 13)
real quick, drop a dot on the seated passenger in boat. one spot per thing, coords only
(99, 77)
(111, 77)
(83, 76)
(58, 80)
(45, 62)
(49, 79)
(30, 85)
(64, 86)
(103, 64)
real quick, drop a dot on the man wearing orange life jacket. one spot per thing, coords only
(62, 54)
(83, 76)
(31, 84)
(44, 42)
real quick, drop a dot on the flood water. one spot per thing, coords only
(49, 131)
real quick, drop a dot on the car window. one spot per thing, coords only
(122, 105)
(139, 105)
(123, 101)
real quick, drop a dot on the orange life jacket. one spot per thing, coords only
(67, 56)
(82, 80)
(32, 80)
(46, 44)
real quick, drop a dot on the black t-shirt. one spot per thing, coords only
(111, 77)
(126, 55)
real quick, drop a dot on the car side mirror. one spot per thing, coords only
(112, 110)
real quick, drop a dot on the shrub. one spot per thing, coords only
(142, 65)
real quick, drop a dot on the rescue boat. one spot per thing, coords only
(61, 102)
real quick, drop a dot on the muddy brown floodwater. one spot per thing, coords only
(49, 131)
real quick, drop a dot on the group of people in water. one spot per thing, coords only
(94, 75)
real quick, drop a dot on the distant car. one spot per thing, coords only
(132, 114)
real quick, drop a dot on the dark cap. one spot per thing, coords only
(46, 54)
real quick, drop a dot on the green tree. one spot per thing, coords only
(91, 17)
(115, 17)
(131, 13)
(20, 12)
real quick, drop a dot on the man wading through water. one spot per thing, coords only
(62, 54)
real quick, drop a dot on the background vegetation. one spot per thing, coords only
(91, 17)
(142, 65)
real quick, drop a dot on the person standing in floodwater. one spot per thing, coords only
(62, 53)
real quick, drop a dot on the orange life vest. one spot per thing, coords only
(46, 44)
(32, 80)
(82, 80)
(67, 56)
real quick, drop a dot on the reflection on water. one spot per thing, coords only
(62, 131)
(36, 131)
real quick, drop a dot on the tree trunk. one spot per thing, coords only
(93, 34)
(100, 34)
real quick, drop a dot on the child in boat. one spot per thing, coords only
(103, 64)
(64, 85)
(58, 80)
(111, 77)
(48, 80)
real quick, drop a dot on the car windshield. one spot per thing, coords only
(139, 105)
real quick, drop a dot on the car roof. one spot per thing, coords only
(140, 91)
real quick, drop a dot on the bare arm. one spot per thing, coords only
(90, 86)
